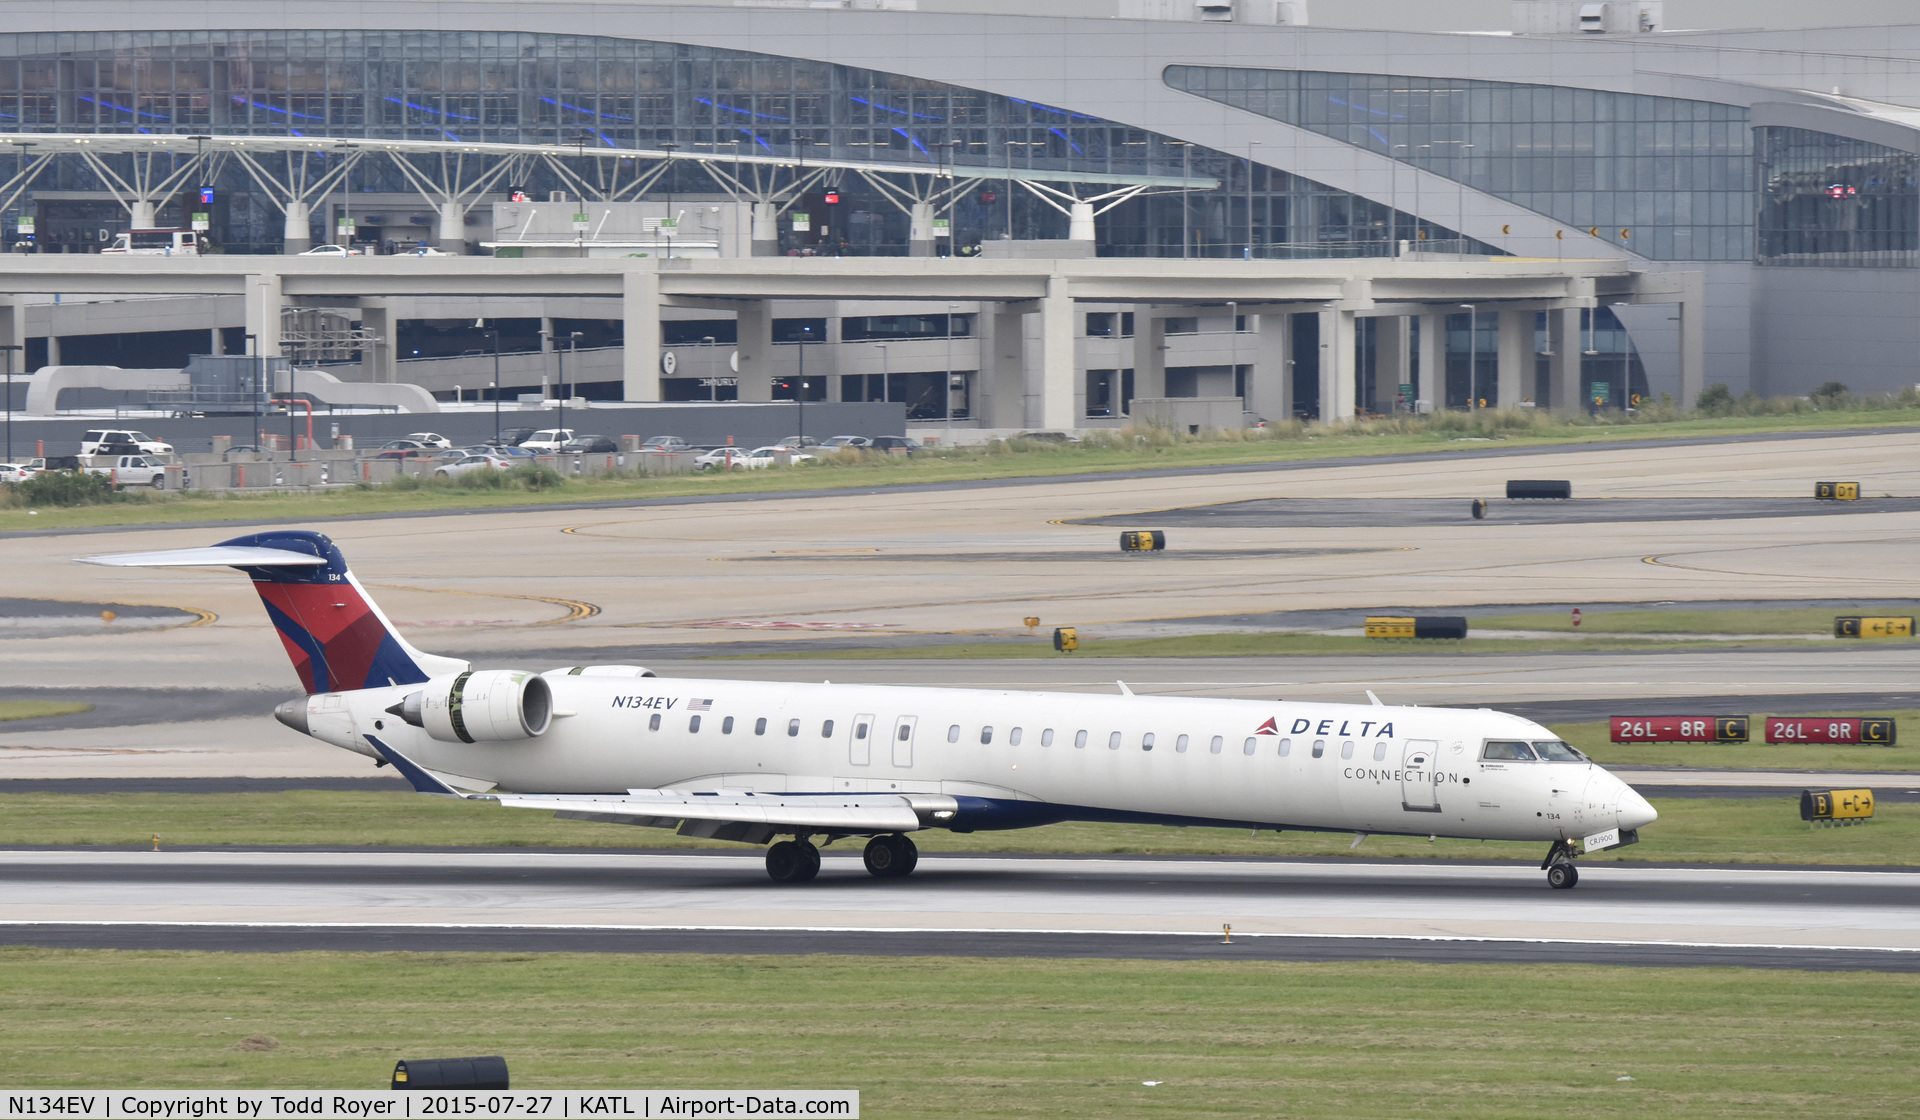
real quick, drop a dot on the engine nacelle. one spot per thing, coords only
(494, 706)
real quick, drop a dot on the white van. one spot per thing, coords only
(157, 243)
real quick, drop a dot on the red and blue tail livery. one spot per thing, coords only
(337, 637)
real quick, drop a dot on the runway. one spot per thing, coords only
(964, 905)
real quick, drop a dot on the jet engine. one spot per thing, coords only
(493, 706)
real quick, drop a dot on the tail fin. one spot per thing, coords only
(337, 637)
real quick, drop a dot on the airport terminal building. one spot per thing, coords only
(1779, 168)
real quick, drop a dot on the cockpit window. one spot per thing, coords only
(1554, 750)
(1507, 752)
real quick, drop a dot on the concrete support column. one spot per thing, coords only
(142, 215)
(1270, 389)
(1080, 224)
(1149, 353)
(1693, 349)
(640, 312)
(53, 349)
(754, 329)
(1513, 371)
(376, 361)
(1003, 369)
(766, 230)
(453, 228)
(1431, 381)
(920, 230)
(297, 236)
(1336, 366)
(264, 303)
(1563, 338)
(1056, 368)
(217, 342)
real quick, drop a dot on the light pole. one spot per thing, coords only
(1473, 356)
(494, 332)
(1251, 145)
(10, 350)
(573, 340)
(800, 390)
(1419, 234)
(713, 381)
(885, 389)
(946, 172)
(668, 146)
(946, 391)
(1393, 193)
(1010, 144)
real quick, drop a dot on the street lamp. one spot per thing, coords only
(1473, 355)
(494, 332)
(10, 350)
(573, 341)
(713, 380)
(800, 389)
(668, 146)
(884, 389)
(1251, 145)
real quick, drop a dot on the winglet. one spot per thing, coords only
(1124, 690)
(413, 772)
(1375, 699)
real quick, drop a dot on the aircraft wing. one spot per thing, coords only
(238, 556)
(752, 817)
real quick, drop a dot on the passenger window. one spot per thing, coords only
(1286, 747)
(1113, 741)
(1379, 752)
(826, 730)
(1319, 747)
(760, 726)
(859, 730)
(1079, 738)
(726, 726)
(1252, 744)
(1146, 741)
(986, 735)
(693, 725)
(1217, 743)
(953, 733)
(1508, 752)
(653, 722)
(1346, 749)
(906, 732)
(1013, 737)
(1180, 745)
(1046, 737)
(793, 728)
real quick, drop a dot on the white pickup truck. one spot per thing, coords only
(130, 470)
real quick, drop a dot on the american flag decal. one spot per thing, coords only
(699, 705)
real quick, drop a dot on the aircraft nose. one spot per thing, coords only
(1633, 810)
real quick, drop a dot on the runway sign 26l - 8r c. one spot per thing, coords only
(1830, 729)
(1679, 729)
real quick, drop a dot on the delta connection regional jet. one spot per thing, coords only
(757, 761)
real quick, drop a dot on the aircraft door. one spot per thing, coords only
(860, 745)
(903, 729)
(1419, 760)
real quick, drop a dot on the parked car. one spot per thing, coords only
(105, 441)
(547, 439)
(896, 445)
(1061, 438)
(390, 445)
(732, 459)
(517, 454)
(431, 439)
(425, 251)
(835, 443)
(243, 449)
(514, 437)
(406, 454)
(456, 454)
(331, 251)
(132, 470)
(16, 472)
(468, 463)
(800, 441)
(591, 445)
(793, 454)
(665, 443)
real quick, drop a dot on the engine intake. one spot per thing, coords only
(493, 706)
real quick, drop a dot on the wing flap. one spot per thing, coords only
(664, 809)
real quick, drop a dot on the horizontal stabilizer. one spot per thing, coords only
(237, 556)
(663, 809)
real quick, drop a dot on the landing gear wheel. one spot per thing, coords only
(891, 857)
(1562, 876)
(793, 861)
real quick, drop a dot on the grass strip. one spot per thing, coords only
(1790, 622)
(1133, 450)
(1246, 644)
(39, 709)
(1690, 830)
(942, 1037)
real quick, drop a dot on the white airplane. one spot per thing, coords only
(754, 760)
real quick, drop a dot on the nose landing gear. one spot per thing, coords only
(1561, 873)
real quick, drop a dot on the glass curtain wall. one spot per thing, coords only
(1829, 201)
(1675, 174)
(587, 91)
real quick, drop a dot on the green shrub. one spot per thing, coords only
(1714, 400)
(67, 488)
(532, 476)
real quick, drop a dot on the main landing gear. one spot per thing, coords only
(891, 857)
(798, 861)
(1561, 873)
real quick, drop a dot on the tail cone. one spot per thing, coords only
(293, 713)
